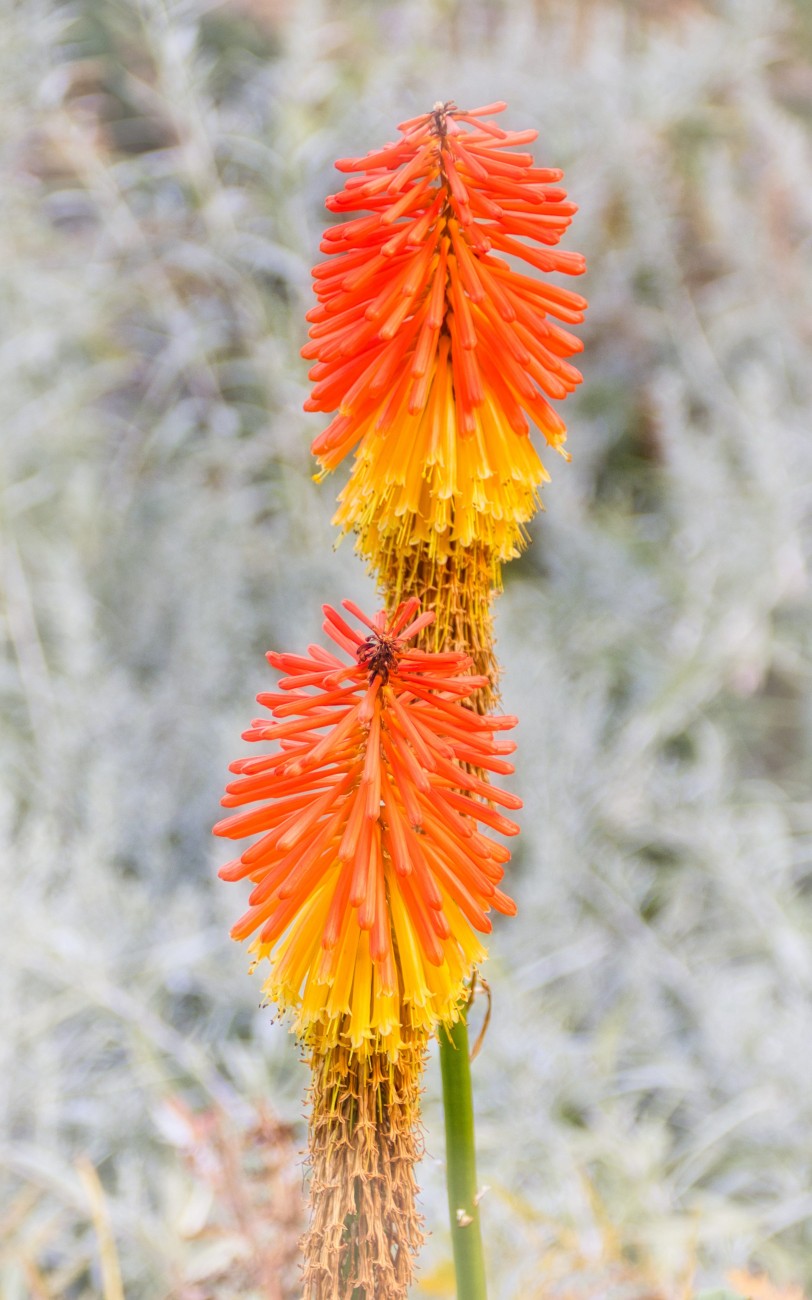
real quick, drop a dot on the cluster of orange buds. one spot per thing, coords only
(371, 878)
(432, 348)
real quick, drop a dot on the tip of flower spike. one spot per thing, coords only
(449, 108)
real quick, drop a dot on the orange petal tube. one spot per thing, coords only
(371, 875)
(434, 352)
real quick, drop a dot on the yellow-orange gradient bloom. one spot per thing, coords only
(433, 349)
(371, 876)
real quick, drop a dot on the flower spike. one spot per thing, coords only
(434, 351)
(371, 875)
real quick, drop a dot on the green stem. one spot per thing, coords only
(458, 1103)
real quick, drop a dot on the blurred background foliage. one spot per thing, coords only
(643, 1090)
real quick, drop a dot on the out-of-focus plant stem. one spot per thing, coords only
(458, 1104)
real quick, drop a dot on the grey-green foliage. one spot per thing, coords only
(164, 169)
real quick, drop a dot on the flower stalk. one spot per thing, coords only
(460, 1154)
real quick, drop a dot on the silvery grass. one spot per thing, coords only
(643, 1087)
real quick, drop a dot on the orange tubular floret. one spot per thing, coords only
(381, 754)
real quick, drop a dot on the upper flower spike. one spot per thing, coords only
(433, 349)
(370, 874)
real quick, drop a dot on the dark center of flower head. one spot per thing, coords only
(438, 116)
(379, 653)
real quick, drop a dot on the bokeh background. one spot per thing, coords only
(643, 1092)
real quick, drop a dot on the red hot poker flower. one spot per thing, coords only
(371, 875)
(435, 351)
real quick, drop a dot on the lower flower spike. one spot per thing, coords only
(373, 877)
